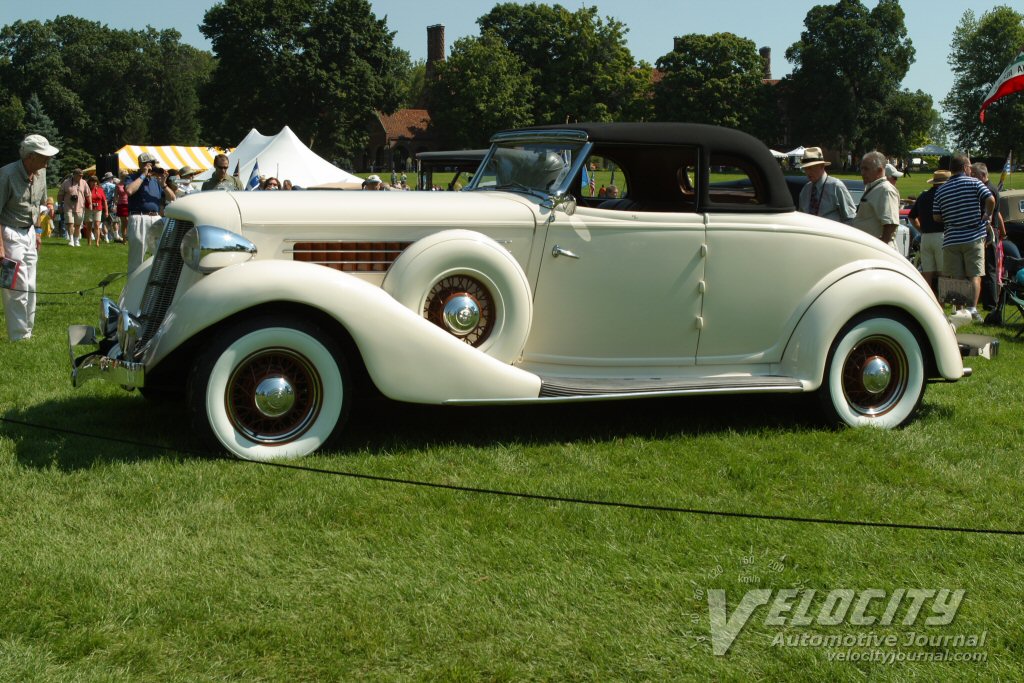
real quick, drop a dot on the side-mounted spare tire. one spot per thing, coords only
(468, 285)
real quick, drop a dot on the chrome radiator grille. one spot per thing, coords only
(163, 279)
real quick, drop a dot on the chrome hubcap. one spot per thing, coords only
(461, 314)
(274, 396)
(876, 375)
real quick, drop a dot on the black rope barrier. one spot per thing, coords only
(540, 496)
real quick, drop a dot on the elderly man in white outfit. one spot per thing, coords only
(22, 190)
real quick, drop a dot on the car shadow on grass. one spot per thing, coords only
(79, 432)
(382, 426)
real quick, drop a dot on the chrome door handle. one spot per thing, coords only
(558, 251)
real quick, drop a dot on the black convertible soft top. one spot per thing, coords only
(712, 140)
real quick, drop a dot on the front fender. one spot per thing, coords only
(807, 349)
(408, 358)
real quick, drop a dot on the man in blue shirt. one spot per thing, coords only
(957, 207)
(110, 190)
(824, 195)
(146, 191)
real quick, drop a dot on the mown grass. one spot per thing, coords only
(126, 555)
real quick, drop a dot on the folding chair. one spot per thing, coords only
(1010, 307)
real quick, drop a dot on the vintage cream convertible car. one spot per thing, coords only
(261, 307)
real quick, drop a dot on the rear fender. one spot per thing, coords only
(807, 349)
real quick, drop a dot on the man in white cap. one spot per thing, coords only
(147, 189)
(891, 174)
(824, 195)
(373, 183)
(22, 190)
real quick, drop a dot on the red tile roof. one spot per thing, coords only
(406, 124)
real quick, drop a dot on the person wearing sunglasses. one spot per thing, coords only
(220, 179)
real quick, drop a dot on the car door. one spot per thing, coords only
(619, 289)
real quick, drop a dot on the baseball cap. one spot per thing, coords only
(373, 179)
(891, 172)
(146, 157)
(37, 144)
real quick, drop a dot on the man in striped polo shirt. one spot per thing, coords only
(957, 206)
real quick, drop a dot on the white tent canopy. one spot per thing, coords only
(283, 156)
(777, 155)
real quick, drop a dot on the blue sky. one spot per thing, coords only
(652, 24)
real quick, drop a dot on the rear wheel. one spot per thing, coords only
(269, 388)
(874, 374)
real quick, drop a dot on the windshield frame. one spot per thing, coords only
(510, 139)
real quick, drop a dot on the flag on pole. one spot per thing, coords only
(588, 180)
(1007, 170)
(254, 177)
(1009, 82)
(236, 169)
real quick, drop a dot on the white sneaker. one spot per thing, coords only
(975, 316)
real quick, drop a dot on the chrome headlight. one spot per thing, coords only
(109, 317)
(206, 248)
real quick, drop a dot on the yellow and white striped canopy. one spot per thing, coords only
(169, 156)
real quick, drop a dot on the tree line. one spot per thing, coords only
(324, 67)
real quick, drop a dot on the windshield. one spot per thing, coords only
(535, 164)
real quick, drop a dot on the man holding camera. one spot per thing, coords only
(74, 197)
(146, 190)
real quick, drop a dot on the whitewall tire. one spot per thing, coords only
(874, 375)
(468, 285)
(270, 388)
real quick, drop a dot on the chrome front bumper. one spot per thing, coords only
(95, 365)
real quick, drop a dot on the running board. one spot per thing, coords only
(579, 387)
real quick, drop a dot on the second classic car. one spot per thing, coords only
(261, 308)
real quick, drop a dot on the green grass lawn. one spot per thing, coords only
(127, 556)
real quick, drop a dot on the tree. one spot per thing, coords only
(480, 89)
(579, 63)
(323, 67)
(714, 79)
(104, 87)
(848, 64)
(980, 50)
(37, 122)
(416, 95)
(12, 122)
(907, 121)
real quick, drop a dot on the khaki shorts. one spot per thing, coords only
(931, 252)
(94, 214)
(964, 260)
(72, 218)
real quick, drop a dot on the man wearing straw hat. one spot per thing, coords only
(824, 195)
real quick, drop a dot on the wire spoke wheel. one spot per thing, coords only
(273, 396)
(462, 306)
(270, 387)
(874, 373)
(875, 376)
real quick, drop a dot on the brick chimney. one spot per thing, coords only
(435, 47)
(766, 55)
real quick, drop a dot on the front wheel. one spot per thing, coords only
(874, 374)
(269, 389)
